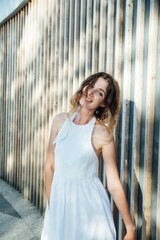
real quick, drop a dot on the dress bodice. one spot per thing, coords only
(74, 153)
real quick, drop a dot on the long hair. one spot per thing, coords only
(108, 114)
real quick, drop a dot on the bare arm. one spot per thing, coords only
(49, 166)
(50, 163)
(115, 187)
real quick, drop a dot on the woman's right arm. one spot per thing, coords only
(57, 123)
(49, 166)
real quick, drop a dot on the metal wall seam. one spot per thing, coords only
(29, 81)
(102, 32)
(88, 39)
(82, 41)
(70, 53)
(57, 44)
(52, 14)
(20, 60)
(17, 101)
(1, 97)
(11, 103)
(21, 97)
(34, 104)
(117, 47)
(110, 36)
(137, 109)
(76, 45)
(6, 103)
(31, 87)
(36, 139)
(60, 63)
(43, 89)
(22, 100)
(35, 28)
(15, 104)
(23, 108)
(158, 195)
(47, 95)
(8, 96)
(28, 100)
(13, 94)
(151, 71)
(156, 220)
(26, 83)
(15, 82)
(40, 84)
(26, 157)
(24, 104)
(126, 102)
(44, 103)
(65, 57)
(117, 58)
(109, 51)
(118, 41)
(95, 36)
(5, 99)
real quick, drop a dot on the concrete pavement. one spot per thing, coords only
(19, 219)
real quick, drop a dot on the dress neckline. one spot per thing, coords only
(83, 125)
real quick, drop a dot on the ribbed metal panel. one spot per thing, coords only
(46, 50)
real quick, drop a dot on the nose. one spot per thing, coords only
(91, 92)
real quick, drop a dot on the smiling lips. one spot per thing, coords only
(88, 100)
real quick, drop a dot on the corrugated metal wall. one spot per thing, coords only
(46, 50)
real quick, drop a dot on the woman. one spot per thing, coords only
(78, 207)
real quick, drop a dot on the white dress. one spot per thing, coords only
(79, 205)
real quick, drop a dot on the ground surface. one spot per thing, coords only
(19, 219)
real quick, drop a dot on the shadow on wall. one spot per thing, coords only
(26, 101)
(32, 90)
(130, 154)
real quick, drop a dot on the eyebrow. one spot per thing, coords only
(102, 90)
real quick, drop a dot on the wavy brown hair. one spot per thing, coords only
(108, 114)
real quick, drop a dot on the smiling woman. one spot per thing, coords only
(104, 90)
(78, 206)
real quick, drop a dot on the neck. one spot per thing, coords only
(83, 116)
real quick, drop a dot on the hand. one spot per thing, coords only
(130, 235)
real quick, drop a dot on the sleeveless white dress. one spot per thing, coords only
(79, 205)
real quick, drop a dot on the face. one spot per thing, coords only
(95, 96)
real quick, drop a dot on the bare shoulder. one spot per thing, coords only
(102, 134)
(60, 116)
(57, 123)
(58, 120)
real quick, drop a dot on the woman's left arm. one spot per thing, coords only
(115, 187)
